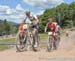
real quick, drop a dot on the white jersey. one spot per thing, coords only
(28, 19)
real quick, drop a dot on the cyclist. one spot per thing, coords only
(32, 19)
(21, 30)
(51, 27)
(24, 29)
(21, 33)
(33, 22)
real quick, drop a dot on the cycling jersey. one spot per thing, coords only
(21, 28)
(52, 27)
(30, 19)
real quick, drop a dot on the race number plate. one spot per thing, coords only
(25, 26)
(49, 33)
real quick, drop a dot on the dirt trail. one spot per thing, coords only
(65, 52)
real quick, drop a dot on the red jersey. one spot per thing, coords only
(52, 27)
(21, 28)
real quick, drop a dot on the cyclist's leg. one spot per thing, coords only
(54, 42)
(20, 37)
(35, 35)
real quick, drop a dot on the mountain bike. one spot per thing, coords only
(23, 40)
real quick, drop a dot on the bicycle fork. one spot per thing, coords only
(51, 43)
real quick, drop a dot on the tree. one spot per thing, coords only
(6, 27)
(64, 15)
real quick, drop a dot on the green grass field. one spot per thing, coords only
(4, 47)
(8, 40)
(43, 36)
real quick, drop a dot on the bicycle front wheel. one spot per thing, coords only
(21, 43)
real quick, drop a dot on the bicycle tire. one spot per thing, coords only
(18, 44)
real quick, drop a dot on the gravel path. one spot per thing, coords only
(65, 52)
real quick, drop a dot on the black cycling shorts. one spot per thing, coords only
(35, 26)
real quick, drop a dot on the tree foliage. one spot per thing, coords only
(6, 27)
(64, 15)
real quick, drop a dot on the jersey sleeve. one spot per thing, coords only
(27, 20)
(34, 16)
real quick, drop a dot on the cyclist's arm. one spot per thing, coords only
(37, 20)
(25, 18)
(46, 27)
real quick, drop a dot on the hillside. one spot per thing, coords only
(8, 27)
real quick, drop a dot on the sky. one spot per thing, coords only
(14, 10)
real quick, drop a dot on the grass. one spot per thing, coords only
(43, 36)
(4, 47)
(8, 40)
